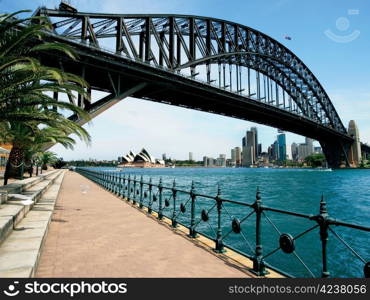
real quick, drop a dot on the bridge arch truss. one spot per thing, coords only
(218, 53)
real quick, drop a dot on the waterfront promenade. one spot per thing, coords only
(95, 234)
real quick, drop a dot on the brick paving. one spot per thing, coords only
(95, 234)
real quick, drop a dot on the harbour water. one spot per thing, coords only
(347, 194)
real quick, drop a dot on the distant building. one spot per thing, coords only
(281, 140)
(221, 161)
(305, 149)
(205, 161)
(317, 150)
(233, 157)
(191, 158)
(354, 156)
(238, 156)
(259, 150)
(255, 144)
(210, 162)
(249, 148)
(294, 149)
(141, 160)
(164, 156)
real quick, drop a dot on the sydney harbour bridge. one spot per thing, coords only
(198, 63)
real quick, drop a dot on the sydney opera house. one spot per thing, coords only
(141, 160)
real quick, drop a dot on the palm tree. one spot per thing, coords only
(28, 139)
(46, 158)
(24, 81)
(25, 89)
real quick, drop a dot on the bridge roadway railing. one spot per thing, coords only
(191, 209)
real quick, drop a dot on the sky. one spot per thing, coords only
(331, 37)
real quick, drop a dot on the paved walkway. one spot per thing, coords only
(95, 234)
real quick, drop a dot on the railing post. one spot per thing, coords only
(124, 187)
(141, 192)
(192, 232)
(134, 197)
(116, 190)
(258, 263)
(160, 210)
(114, 183)
(150, 196)
(174, 192)
(120, 184)
(109, 181)
(323, 222)
(219, 243)
(128, 187)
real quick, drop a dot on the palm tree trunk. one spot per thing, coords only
(14, 165)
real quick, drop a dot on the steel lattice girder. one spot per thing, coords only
(178, 42)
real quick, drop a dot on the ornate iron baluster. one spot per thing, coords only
(134, 197)
(323, 220)
(258, 263)
(160, 188)
(174, 192)
(150, 196)
(128, 187)
(141, 192)
(192, 232)
(124, 187)
(219, 243)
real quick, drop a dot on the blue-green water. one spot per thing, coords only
(347, 193)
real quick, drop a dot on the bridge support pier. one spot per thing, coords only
(336, 153)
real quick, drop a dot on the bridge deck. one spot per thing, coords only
(95, 234)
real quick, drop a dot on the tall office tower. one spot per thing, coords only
(355, 150)
(164, 157)
(249, 146)
(191, 156)
(254, 129)
(259, 150)
(238, 156)
(205, 161)
(294, 149)
(309, 143)
(233, 156)
(276, 150)
(281, 139)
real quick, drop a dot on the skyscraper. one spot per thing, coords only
(259, 150)
(191, 158)
(254, 129)
(305, 149)
(249, 148)
(238, 156)
(294, 149)
(281, 139)
(233, 156)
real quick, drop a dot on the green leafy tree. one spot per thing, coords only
(315, 160)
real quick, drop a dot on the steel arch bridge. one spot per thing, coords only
(200, 63)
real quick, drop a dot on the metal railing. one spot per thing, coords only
(165, 200)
